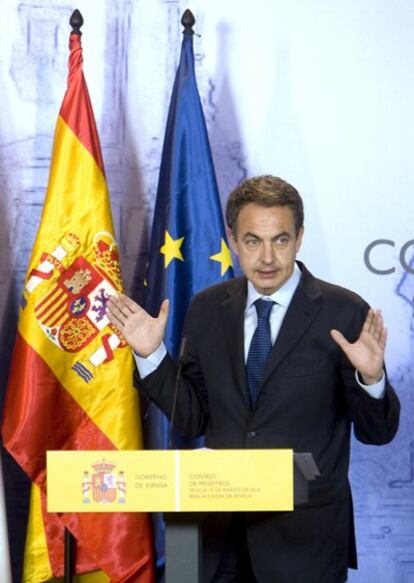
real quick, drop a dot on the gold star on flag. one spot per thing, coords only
(224, 257)
(171, 249)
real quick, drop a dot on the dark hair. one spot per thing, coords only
(267, 191)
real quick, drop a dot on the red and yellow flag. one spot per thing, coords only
(70, 384)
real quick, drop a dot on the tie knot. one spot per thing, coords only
(263, 308)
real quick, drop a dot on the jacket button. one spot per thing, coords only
(252, 434)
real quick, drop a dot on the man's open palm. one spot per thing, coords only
(367, 353)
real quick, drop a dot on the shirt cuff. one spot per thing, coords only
(376, 391)
(148, 365)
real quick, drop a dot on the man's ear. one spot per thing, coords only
(299, 239)
(232, 240)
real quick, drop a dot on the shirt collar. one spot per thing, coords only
(282, 296)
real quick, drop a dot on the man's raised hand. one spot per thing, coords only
(143, 333)
(367, 353)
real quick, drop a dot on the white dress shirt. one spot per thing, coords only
(282, 298)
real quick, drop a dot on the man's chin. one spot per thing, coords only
(266, 286)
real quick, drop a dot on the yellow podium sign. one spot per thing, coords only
(170, 481)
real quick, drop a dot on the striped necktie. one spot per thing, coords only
(259, 348)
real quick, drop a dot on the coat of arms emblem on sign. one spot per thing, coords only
(104, 485)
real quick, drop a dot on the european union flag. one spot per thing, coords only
(188, 249)
(188, 244)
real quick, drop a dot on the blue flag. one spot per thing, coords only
(189, 249)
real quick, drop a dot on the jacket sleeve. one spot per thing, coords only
(191, 413)
(375, 421)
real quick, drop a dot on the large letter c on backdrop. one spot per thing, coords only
(407, 265)
(367, 256)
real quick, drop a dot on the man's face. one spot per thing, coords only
(266, 244)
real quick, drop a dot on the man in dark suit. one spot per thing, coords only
(275, 359)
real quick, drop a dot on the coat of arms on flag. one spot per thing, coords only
(72, 311)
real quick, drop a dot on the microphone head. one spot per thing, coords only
(182, 349)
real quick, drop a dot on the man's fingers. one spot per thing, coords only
(128, 304)
(163, 315)
(378, 325)
(368, 321)
(339, 339)
(124, 304)
(115, 315)
(121, 307)
(113, 308)
(383, 338)
(374, 325)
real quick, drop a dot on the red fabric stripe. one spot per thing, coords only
(57, 305)
(41, 274)
(108, 350)
(76, 108)
(55, 537)
(42, 415)
(52, 296)
(60, 318)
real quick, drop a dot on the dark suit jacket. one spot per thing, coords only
(308, 401)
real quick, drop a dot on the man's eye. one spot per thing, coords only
(252, 243)
(281, 241)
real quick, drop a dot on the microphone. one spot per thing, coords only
(176, 386)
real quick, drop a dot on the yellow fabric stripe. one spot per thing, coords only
(48, 301)
(76, 196)
(36, 565)
(36, 568)
(77, 202)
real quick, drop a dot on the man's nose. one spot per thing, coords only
(267, 252)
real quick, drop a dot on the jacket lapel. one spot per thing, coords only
(232, 311)
(302, 311)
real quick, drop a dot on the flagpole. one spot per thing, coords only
(70, 547)
(75, 21)
(188, 21)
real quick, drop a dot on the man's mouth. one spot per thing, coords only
(267, 272)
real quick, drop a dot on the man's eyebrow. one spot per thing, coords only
(281, 234)
(249, 234)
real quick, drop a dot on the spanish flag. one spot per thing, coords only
(70, 384)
